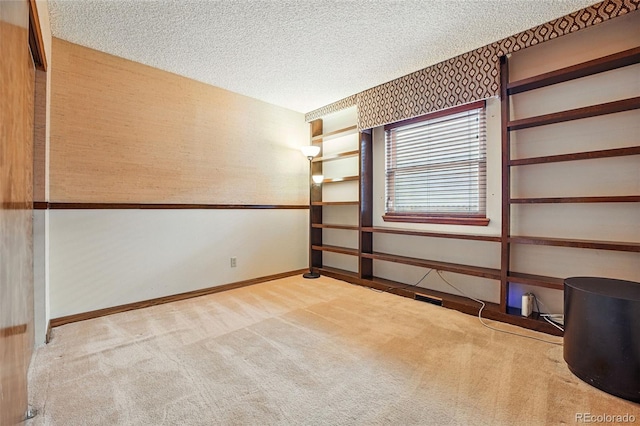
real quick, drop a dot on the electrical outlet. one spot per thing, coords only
(234, 262)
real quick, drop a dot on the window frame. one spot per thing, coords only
(473, 219)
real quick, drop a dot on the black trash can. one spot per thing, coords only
(602, 333)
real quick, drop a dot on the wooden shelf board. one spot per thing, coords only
(587, 155)
(335, 134)
(604, 199)
(335, 226)
(606, 63)
(336, 272)
(432, 264)
(341, 179)
(575, 114)
(336, 249)
(335, 203)
(339, 156)
(535, 280)
(375, 229)
(590, 244)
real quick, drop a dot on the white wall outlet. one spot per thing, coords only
(234, 262)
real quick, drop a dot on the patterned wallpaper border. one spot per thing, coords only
(465, 78)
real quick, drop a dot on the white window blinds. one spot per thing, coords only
(436, 165)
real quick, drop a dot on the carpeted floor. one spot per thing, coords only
(314, 352)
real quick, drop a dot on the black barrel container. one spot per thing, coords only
(602, 333)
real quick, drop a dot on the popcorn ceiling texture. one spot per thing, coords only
(465, 78)
(297, 54)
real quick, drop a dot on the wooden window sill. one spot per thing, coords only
(446, 220)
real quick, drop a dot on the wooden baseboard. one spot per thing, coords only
(47, 337)
(56, 322)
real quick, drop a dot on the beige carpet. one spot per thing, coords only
(315, 352)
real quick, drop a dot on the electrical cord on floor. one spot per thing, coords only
(548, 317)
(388, 289)
(487, 325)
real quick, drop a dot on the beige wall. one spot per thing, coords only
(126, 132)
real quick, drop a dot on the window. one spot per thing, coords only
(436, 167)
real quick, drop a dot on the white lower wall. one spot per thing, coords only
(105, 258)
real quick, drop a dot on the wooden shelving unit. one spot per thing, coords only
(504, 275)
(317, 246)
(508, 89)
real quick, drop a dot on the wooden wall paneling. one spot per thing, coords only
(16, 199)
(123, 132)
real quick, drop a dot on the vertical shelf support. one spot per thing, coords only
(365, 267)
(506, 185)
(315, 212)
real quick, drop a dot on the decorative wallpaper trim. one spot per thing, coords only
(465, 78)
(336, 106)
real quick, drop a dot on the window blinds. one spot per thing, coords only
(437, 166)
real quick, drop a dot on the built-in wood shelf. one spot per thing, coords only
(335, 134)
(335, 226)
(382, 230)
(341, 179)
(586, 155)
(590, 244)
(433, 264)
(336, 249)
(337, 273)
(335, 203)
(338, 156)
(535, 280)
(554, 200)
(575, 114)
(606, 63)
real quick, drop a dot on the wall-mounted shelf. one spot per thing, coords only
(398, 231)
(591, 244)
(596, 66)
(536, 280)
(335, 134)
(555, 200)
(338, 156)
(575, 114)
(341, 179)
(336, 249)
(585, 155)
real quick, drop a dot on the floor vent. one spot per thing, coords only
(428, 299)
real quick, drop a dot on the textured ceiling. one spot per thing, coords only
(300, 54)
